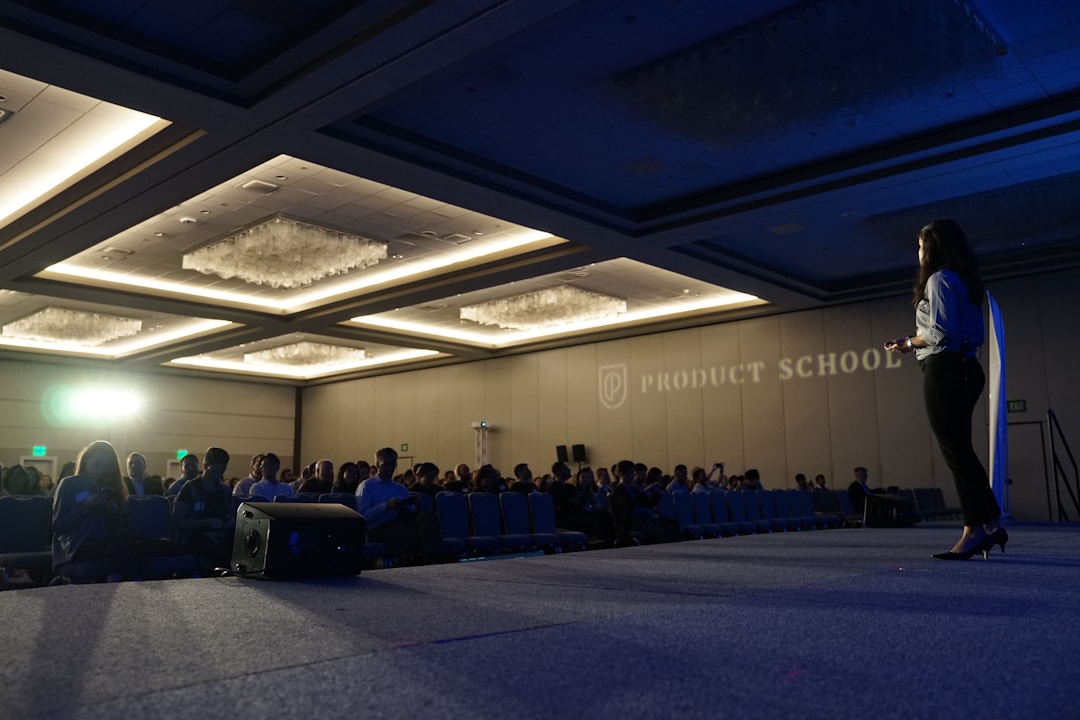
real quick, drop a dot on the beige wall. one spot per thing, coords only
(179, 412)
(803, 392)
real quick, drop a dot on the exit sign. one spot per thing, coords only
(39, 450)
(1016, 406)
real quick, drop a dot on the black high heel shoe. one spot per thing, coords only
(965, 555)
(998, 537)
(980, 546)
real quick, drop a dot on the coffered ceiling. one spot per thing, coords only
(480, 177)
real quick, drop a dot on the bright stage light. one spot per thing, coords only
(64, 405)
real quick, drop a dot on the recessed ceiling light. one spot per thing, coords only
(188, 220)
(258, 186)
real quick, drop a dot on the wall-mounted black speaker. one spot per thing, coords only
(560, 454)
(579, 454)
(297, 540)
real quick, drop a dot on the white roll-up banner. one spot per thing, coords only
(997, 408)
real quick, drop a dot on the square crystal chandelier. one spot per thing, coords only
(308, 355)
(563, 305)
(284, 254)
(73, 327)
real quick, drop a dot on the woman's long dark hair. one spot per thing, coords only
(342, 485)
(111, 477)
(945, 246)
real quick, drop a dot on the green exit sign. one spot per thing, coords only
(180, 454)
(1016, 406)
(39, 450)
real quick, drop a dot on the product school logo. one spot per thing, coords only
(613, 385)
(614, 380)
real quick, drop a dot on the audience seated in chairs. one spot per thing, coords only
(680, 480)
(427, 480)
(189, 470)
(633, 508)
(255, 474)
(17, 481)
(878, 507)
(91, 537)
(591, 495)
(322, 481)
(203, 515)
(523, 479)
(488, 479)
(270, 487)
(393, 516)
(34, 481)
(137, 481)
(48, 487)
(348, 479)
(457, 484)
(603, 487)
(575, 504)
(94, 537)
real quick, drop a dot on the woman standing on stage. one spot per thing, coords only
(949, 330)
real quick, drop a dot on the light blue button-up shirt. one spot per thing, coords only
(946, 320)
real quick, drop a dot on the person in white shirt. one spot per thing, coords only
(393, 516)
(255, 474)
(270, 487)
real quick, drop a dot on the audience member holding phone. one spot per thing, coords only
(90, 524)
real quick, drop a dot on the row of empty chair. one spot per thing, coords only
(743, 512)
(928, 503)
(476, 524)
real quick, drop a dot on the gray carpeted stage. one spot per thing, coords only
(836, 623)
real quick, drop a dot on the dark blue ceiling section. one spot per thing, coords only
(815, 67)
(544, 103)
(1008, 226)
(637, 104)
(1041, 213)
(225, 39)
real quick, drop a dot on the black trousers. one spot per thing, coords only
(409, 533)
(952, 384)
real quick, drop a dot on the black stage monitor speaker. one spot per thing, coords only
(560, 454)
(579, 454)
(297, 540)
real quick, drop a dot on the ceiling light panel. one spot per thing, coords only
(310, 194)
(644, 294)
(303, 356)
(34, 323)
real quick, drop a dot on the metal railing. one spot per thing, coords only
(1061, 476)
